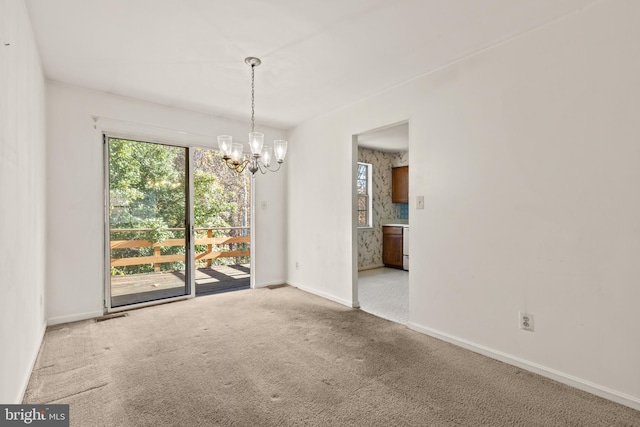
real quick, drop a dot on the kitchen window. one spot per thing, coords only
(363, 185)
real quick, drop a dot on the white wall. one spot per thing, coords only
(75, 188)
(22, 195)
(527, 155)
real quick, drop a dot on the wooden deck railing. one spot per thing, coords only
(158, 258)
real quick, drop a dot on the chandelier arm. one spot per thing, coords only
(263, 168)
(238, 167)
(244, 166)
(259, 166)
(274, 170)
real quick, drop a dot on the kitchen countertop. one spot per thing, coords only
(395, 222)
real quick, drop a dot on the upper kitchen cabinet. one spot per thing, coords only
(400, 184)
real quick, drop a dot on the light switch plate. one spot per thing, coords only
(420, 202)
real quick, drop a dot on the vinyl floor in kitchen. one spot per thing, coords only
(384, 292)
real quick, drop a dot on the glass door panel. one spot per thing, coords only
(222, 224)
(148, 221)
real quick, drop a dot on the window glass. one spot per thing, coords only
(363, 186)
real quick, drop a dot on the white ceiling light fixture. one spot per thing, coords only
(260, 158)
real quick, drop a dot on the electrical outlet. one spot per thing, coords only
(526, 321)
(297, 265)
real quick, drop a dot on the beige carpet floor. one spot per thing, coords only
(284, 357)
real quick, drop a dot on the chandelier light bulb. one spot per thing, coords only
(267, 155)
(236, 153)
(256, 141)
(280, 149)
(224, 143)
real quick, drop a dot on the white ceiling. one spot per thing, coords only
(317, 55)
(393, 138)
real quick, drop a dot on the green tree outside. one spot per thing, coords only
(148, 184)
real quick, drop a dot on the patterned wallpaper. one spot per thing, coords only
(400, 159)
(370, 240)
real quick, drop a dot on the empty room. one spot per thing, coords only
(191, 196)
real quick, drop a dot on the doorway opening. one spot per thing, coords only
(382, 241)
(177, 223)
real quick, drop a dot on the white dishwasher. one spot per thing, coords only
(405, 248)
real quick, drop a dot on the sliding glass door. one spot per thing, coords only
(148, 221)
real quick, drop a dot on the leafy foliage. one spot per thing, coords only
(148, 185)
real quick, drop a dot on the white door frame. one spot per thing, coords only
(189, 261)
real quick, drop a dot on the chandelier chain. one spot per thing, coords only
(253, 105)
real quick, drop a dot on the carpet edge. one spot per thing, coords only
(74, 317)
(562, 377)
(351, 304)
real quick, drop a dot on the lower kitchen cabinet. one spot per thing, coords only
(392, 246)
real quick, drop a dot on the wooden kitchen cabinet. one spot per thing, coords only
(400, 184)
(392, 246)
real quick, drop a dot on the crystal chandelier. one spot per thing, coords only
(260, 158)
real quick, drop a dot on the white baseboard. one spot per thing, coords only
(348, 303)
(562, 377)
(371, 267)
(74, 317)
(32, 364)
